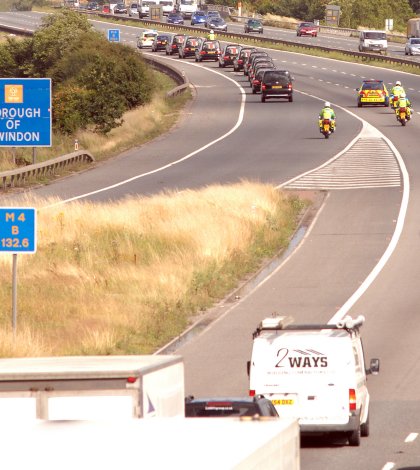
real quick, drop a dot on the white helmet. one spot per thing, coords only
(211, 32)
(327, 104)
(397, 83)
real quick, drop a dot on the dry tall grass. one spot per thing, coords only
(127, 277)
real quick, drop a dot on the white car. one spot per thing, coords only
(315, 374)
(412, 46)
(146, 38)
(133, 10)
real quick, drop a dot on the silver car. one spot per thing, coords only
(133, 10)
(412, 47)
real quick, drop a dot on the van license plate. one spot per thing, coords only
(283, 402)
(277, 86)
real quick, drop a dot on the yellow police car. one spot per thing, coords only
(372, 92)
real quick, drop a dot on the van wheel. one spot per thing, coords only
(354, 437)
(364, 428)
(262, 99)
(290, 99)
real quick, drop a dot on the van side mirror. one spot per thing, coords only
(248, 367)
(374, 367)
(357, 89)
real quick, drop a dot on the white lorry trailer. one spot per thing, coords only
(91, 387)
(187, 7)
(160, 443)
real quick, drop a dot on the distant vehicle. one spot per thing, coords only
(146, 38)
(315, 373)
(199, 17)
(93, 6)
(187, 7)
(228, 407)
(213, 13)
(276, 84)
(307, 29)
(217, 24)
(258, 64)
(251, 57)
(413, 28)
(168, 6)
(188, 47)
(259, 72)
(208, 50)
(374, 41)
(239, 60)
(160, 42)
(372, 92)
(175, 18)
(173, 44)
(253, 26)
(412, 46)
(144, 7)
(229, 52)
(133, 10)
(120, 9)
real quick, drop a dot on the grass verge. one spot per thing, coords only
(131, 278)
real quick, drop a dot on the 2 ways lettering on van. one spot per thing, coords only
(299, 358)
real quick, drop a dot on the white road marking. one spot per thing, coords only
(388, 466)
(412, 437)
(182, 159)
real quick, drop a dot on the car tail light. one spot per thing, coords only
(203, 52)
(252, 393)
(289, 86)
(240, 61)
(173, 46)
(226, 57)
(352, 399)
(255, 81)
(263, 87)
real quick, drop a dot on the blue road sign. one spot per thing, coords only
(114, 35)
(17, 230)
(25, 112)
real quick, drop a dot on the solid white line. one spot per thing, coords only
(369, 129)
(388, 466)
(412, 437)
(182, 159)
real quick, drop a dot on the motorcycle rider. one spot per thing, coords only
(403, 102)
(397, 89)
(327, 113)
(211, 36)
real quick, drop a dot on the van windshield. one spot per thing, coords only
(375, 35)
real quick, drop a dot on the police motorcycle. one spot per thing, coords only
(326, 127)
(403, 112)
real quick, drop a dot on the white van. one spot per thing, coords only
(314, 373)
(371, 40)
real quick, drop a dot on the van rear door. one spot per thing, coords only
(305, 374)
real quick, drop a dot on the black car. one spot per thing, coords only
(228, 54)
(93, 6)
(259, 72)
(208, 50)
(253, 26)
(276, 84)
(189, 46)
(172, 47)
(239, 60)
(250, 58)
(175, 18)
(160, 41)
(223, 407)
(120, 9)
(258, 61)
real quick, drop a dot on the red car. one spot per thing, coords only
(307, 29)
